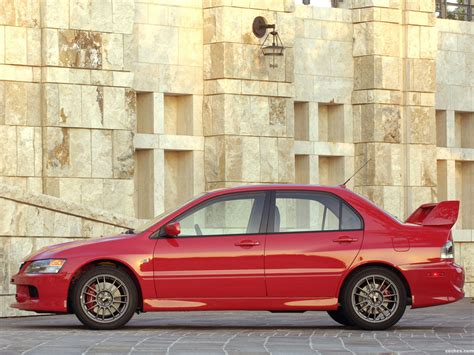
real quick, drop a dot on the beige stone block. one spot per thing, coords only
(422, 165)
(71, 189)
(50, 101)
(55, 13)
(186, 17)
(123, 164)
(33, 45)
(16, 106)
(119, 108)
(224, 24)
(20, 13)
(80, 152)
(70, 114)
(91, 229)
(419, 18)
(80, 15)
(38, 152)
(8, 155)
(268, 159)
(2, 44)
(92, 98)
(118, 196)
(190, 47)
(80, 49)
(215, 159)
(92, 192)
(57, 151)
(7, 220)
(124, 79)
(421, 121)
(379, 38)
(103, 77)
(385, 165)
(419, 195)
(182, 79)
(123, 15)
(336, 31)
(158, 44)
(380, 123)
(101, 153)
(156, 14)
(33, 113)
(112, 51)
(16, 73)
(428, 42)
(16, 45)
(380, 72)
(466, 251)
(101, 15)
(286, 161)
(26, 151)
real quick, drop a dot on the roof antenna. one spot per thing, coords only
(345, 182)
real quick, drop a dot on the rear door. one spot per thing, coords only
(313, 238)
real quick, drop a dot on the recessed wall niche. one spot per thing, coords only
(331, 122)
(178, 114)
(331, 170)
(301, 121)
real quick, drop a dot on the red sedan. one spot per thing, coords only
(279, 248)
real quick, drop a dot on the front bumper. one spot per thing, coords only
(41, 292)
(434, 283)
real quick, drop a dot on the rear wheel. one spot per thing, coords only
(374, 298)
(339, 316)
(104, 298)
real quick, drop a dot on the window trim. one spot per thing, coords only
(160, 233)
(271, 219)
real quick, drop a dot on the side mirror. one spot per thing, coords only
(172, 229)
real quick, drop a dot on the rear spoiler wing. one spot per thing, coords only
(442, 214)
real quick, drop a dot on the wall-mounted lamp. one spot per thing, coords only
(272, 48)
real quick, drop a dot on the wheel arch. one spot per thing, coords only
(104, 262)
(382, 265)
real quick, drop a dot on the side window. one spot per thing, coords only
(228, 215)
(312, 211)
(349, 219)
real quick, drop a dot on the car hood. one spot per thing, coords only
(59, 250)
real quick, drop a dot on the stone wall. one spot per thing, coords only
(135, 106)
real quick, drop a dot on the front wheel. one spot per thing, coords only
(104, 298)
(374, 298)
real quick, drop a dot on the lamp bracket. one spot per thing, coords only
(260, 26)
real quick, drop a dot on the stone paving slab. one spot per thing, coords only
(438, 330)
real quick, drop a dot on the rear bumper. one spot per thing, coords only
(41, 293)
(434, 283)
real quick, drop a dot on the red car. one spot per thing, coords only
(279, 248)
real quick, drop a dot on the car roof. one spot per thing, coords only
(260, 187)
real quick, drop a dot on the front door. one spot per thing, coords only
(315, 238)
(219, 252)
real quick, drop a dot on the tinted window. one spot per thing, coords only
(349, 219)
(312, 211)
(228, 215)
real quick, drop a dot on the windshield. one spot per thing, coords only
(163, 215)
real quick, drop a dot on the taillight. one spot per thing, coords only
(447, 251)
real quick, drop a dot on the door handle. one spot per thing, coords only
(247, 243)
(345, 239)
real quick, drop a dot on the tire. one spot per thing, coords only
(104, 298)
(340, 317)
(374, 298)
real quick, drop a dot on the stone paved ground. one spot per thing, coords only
(445, 329)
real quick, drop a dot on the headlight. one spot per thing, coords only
(447, 251)
(47, 266)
